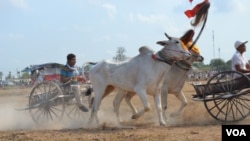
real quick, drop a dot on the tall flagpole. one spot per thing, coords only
(213, 44)
(219, 53)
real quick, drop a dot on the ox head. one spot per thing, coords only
(195, 53)
(186, 38)
(174, 48)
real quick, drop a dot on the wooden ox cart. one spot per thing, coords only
(226, 96)
(48, 99)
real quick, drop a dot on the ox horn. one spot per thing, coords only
(167, 36)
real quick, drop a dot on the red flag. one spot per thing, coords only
(192, 13)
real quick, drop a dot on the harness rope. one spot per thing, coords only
(183, 65)
(164, 58)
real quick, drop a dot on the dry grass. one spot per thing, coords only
(194, 124)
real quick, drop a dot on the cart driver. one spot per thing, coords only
(239, 62)
(70, 77)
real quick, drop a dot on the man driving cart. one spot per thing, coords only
(70, 78)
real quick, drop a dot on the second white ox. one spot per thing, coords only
(173, 84)
(143, 74)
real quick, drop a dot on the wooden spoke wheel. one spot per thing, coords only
(73, 111)
(46, 102)
(227, 96)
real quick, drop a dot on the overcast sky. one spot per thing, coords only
(42, 31)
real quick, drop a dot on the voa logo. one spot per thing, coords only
(236, 132)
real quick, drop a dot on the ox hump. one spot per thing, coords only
(145, 49)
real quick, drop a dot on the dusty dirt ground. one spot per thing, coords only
(194, 124)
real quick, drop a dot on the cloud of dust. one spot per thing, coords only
(193, 114)
(11, 119)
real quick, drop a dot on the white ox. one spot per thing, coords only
(143, 74)
(173, 83)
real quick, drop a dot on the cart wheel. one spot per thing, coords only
(73, 111)
(227, 98)
(46, 102)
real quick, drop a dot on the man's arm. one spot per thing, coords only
(238, 68)
(248, 66)
(65, 79)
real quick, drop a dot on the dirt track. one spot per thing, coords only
(193, 124)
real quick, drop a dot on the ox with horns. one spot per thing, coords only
(143, 74)
(173, 83)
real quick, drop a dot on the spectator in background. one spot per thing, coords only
(40, 75)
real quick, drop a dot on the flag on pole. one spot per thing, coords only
(192, 12)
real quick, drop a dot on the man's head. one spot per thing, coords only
(238, 44)
(70, 56)
(71, 59)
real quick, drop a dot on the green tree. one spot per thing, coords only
(25, 75)
(219, 65)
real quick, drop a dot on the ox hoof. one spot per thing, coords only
(146, 109)
(134, 117)
(119, 120)
(163, 124)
